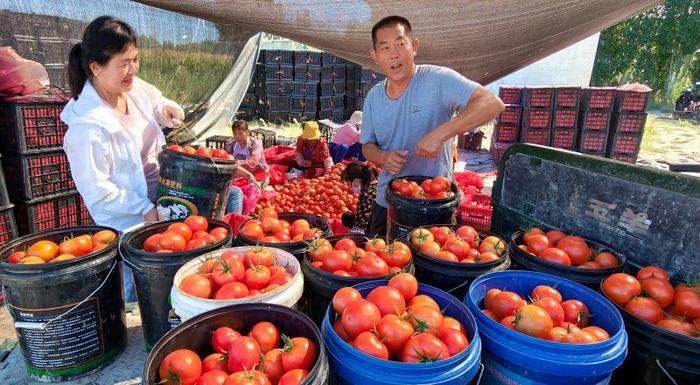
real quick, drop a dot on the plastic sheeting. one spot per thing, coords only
(483, 40)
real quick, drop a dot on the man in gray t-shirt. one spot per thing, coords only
(409, 118)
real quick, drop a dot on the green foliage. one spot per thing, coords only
(659, 48)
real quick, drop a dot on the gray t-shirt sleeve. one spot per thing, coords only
(455, 89)
(367, 134)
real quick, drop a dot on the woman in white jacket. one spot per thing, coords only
(114, 134)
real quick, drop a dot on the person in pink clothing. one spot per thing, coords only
(247, 150)
(345, 143)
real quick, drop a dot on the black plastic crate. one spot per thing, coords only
(565, 119)
(32, 124)
(217, 141)
(629, 122)
(538, 97)
(594, 142)
(567, 97)
(351, 87)
(278, 102)
(309, 115)
(360, 103)
(599, 98)
(277, 116)
(304, 89)
(326, 73)
(353, 72)
(325, 114)
(337, 116)
(307, 74)
(273, 56)
(325, 102)
(339, 72)
(294, 114)
(327, 131)
(249, 102)
(307, 58)
(510, 115)
(537, 118)
(350, 103)
(8, 226)
(535, 136)
(267, 137)
(563, 138)
(332, 88)
(279, 87)
(256, 86)
(32, 176)
(632, 101)
(593, 120)
(510, 94)
(266, 71)
(66, 210)
(507, 133)
(368, 75)
(364, 88)
(329, 59)
(623, 143)
(304, 103)
(339, 87)
(286, 72)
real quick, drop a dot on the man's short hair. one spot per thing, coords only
(390, 21)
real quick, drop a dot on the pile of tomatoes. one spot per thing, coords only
(45, 251)
(326, 196)
(206, 152)
(651, 297)
(186, 235)
(376, 259)
(571, 250)
(268, 228)
(463, 245)
(393, 322)
(262, 357)
(233, 275)
(548, 316)
(436, 188)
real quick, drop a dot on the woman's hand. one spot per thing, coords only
(174, 115)
(151, 216)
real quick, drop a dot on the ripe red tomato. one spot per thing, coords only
(660, 290)
(579, 337)
(360, 316)
(345, 244)
(687, 301)
(182, 229)
(405, 283)
(492, 244)
(426, 319)
(606, 260)
(197, 223)
(195, 244)
(258, 256)
(222, 337)
(181, 367)
(104, 236)
(172, 241)
(375, 245)
(554, 236)
(272, 365)
(369, 343)
(599, 333)
(293, 377)
(555, 255)
(621, 287)
(387, 299)
(677, 326)
(16, 256)
(232, 290)
(196, 285)
(214, 361)
(533, 321)
(552, 307)
(576, 312)
(298, 353)
(252, 231)
(337, 260)
(219, 153)
(212, 377)
(343, 297)
(394, 332)
(458, 247)
(243, 354)
(396, 255)
(224, 272)
(455, 340)
(371, 266)
(652, 272)
(469, 235)
(43, 249)
(257, 277)
(489, 298)
(266, 334)
(279, 278)
(204, 151)
(219, 233)
(537, 243)
(422, 300)
(189, 150)
(576, 248)
(424, 347)
(506, 303)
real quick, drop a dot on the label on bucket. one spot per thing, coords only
(396, 231)
(69, 341)
(171, 207)
(497, 374)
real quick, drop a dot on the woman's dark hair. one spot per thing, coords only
(103, 38)
(359, 170)
(240, 125)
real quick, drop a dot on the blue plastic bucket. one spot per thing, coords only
(352, 367)
(511, 357)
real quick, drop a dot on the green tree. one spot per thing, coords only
(659, 48)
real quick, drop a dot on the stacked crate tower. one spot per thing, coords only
(507, 126)
(38, 175)
(627, 125)
(331, 95)
(594, 120)
(307, 74)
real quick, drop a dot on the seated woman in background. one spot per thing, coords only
(248, 152)
(346, 140)
(312, 152)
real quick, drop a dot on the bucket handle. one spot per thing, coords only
(458, 286)
(665, 372)
(481, 373)
(123, 234)
(45, 325)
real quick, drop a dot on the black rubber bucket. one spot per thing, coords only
(154, 273)
(588, 277)
(656, 356)
(406, 213)
(69, 315)
(193, 185)
(195, 334)
(298, 249)
(454, 277)
(320, 286)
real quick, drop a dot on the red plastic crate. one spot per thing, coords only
(629, 122)
(592, 120)
(538, 97)
(593, 141)
(535, 136)
(32, 124)
(621, 143)
(34, 176)
(599, 98)
(537, 118)
(565, 119)
(567, 97)
(477, 212)
(629, 158)
(506, 133)
(511, 94)
(8, 227)
(564, 138)
(632, 101)
(511, 115)
(42, 214)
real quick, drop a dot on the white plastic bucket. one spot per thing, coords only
(187, 306)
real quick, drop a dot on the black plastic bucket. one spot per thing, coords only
(656, 356)
(298, 249)
(589, 277)
(195, 334)
(454, 277)
(193, 185)
(406, 213)
(154, 273)
(320, 286)
(80, 299)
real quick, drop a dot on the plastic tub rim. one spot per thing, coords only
(290, 245)
(392, 195)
